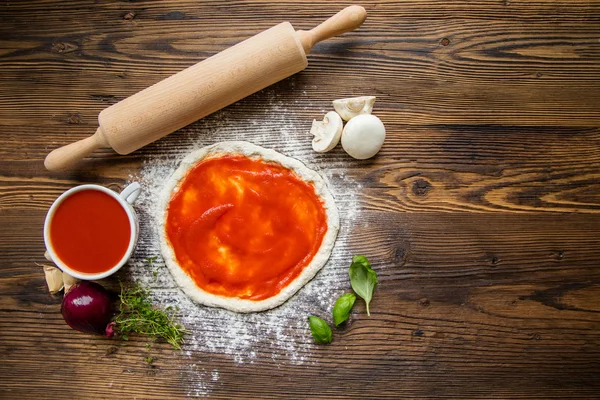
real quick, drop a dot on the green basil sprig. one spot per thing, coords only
(321, 332)
(363, 279)
(342, 308)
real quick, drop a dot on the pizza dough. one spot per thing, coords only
(269, 157)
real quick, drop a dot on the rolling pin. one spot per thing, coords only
(204, 88)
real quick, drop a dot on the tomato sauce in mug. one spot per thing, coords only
(90, 231)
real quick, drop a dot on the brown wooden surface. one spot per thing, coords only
(481, 213)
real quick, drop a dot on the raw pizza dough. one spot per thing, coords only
(252, 151)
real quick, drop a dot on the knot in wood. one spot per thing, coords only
(399, 256)
(63, 47)
(421, 187)
(74, 119)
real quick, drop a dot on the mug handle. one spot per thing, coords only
(131, 192)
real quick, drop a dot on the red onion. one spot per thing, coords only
(87, 307)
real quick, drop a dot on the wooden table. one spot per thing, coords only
(480, 214)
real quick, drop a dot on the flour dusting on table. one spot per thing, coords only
(282, 334)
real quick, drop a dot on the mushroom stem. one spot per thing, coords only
(326, 133)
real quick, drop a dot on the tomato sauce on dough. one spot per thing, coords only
(90, 231)
(245, 228)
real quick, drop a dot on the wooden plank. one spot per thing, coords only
(465, 70)
(481, 213)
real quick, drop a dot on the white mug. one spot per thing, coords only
(126, 198)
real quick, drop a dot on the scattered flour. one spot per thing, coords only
(282, 334)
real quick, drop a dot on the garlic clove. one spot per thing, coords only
(54, 279)
(327, 133)
(47, 256)
(363, 136)
(353, 106)
(68, 281)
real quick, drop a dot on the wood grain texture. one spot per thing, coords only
(481, 213)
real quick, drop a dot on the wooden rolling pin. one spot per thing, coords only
(204, 88)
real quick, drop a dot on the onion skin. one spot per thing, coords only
(110, 330)
(87, 307)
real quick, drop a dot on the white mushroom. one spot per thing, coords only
(353, 106)
(363, 136)
(327, 132)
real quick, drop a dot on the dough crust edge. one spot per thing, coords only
(252, 151)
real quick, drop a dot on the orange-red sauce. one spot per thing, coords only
(90, 231)
(244, 228)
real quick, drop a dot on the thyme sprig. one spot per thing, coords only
(137, 315)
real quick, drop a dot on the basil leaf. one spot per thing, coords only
(363, 279)
(321, 332)
(342, 308)
(361, 259)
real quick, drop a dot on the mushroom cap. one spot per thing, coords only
(350, 107)
(327, 132)
(363, 136)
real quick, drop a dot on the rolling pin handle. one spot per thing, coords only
(344, 21)
(67, 156)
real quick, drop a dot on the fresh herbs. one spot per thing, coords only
(363, 279)
(150, 261)
(342, 308)
(321, 332)
(137, 315)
